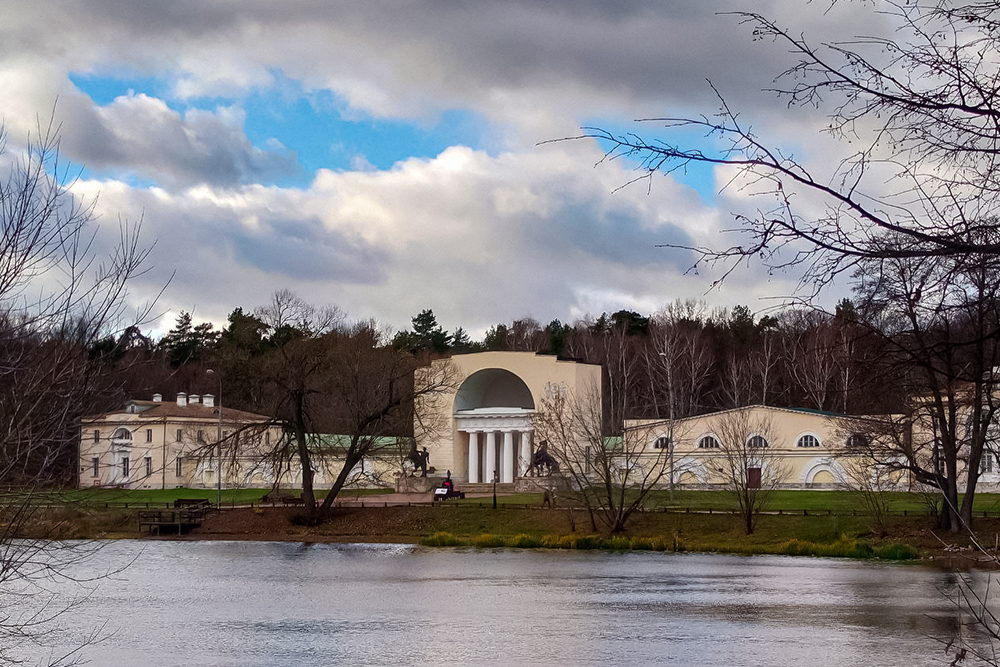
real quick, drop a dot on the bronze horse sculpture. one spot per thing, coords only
(542, 460)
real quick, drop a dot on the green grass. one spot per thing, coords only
(843, 547)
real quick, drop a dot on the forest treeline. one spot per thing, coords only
(685, 359)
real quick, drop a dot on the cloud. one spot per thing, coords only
(144, 136)
(479, 239)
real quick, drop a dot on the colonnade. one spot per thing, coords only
(486, 458)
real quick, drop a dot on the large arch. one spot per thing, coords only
(493, 388)
(823, 466)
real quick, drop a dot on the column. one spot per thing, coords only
(491, 455)
(473, 457)
(525, 459)
(508, 458)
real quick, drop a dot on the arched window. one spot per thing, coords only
(757, 442)
(121, 438)
(662, 442)
(708, 442)
(808, 440)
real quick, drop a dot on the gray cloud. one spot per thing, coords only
(141, 135)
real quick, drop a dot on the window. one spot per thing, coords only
(180, 435)
(125, 466)
(149, 465)
(96, 463)
(97, 436)
(986, 463)
(708, 442)
(757, 442)
(808, 441)
(267, 437)
(662, 443)
(857, 441)
(180, 467)
(149, 435)
(201, 436)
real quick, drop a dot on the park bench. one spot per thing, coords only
(275, 498)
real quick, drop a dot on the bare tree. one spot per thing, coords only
(940, 319)
(916, 111)
(747, 461)
(338, 392)
(64, 337)
(611, 477)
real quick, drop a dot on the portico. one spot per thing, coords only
(491, 413)
(497, 443)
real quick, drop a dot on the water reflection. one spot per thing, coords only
(253, 603)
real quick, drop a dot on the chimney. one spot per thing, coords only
(182, 399)
(157, 398)
(194, 399)
(208, 400)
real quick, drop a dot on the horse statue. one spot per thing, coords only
(418, 459)
(542, 460)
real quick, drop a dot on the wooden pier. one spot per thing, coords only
(184, 516)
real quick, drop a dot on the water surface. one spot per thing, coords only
(268, 603)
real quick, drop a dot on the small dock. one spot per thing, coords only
(184, 516)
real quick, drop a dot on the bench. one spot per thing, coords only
(283, 498)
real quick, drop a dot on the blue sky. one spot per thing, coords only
(388, 159)
(311, 124)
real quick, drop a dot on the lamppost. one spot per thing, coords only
(494, 489)
(218, 441)
(670, 436)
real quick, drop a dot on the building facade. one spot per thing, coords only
(164, 445)
(486, 428)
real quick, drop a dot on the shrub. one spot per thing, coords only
(442, 539)
(523, 541)
(618, 543)
(588, 542)
(489, 541)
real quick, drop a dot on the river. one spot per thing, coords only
(271, 603)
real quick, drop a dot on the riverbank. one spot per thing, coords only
(832, 523)
(483, 526)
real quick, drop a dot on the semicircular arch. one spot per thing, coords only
(493, 388)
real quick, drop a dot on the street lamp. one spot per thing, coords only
(494, 488)
(218, 440)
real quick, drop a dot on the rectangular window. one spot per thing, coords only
(97, 436)
(149, 435)
(180, 435)
(149, 465)
(180, 467)
(267, 437)
(125, 466)
(96, 463)
(201, 436)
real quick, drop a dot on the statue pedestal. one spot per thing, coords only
(417, 484)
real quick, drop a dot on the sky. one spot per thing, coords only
(388, 157)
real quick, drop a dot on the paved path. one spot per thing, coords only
(391, 499)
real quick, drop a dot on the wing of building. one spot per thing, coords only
(164, 445)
